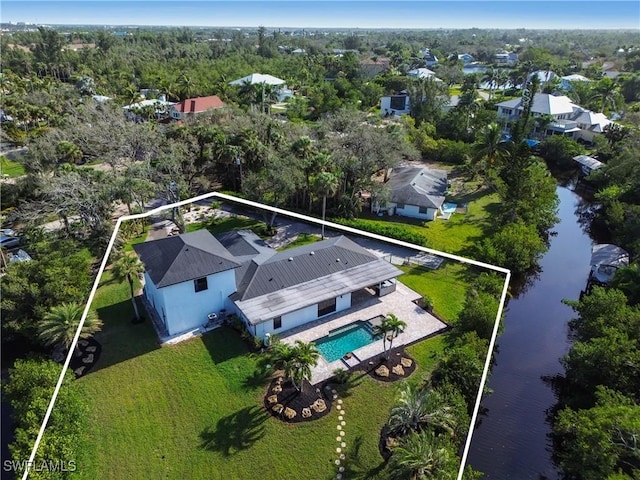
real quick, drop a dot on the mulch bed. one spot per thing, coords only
(90, 350)
(400, 365)
(284, 402)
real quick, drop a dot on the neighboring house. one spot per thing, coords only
(415, 192)
(567, 80)
(422, 73)
(159, 106)
(262, 79)
(466, 58)
(505, 58)
(569, 119)
(395, 105)
(192, 276)
(370, 68)
(193, 106)
(429, 58)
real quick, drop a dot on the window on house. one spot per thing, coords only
(400, 206)
(326, 307)
(397, 102)
(277, 323)
(423, 210)
(200, 284)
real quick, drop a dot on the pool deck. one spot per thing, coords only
(420, 324)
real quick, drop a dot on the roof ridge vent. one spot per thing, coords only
(291, 259)
(337, 259)
(312, 252)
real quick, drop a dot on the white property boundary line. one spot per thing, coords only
(297, 216)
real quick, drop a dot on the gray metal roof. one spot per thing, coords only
(588, 162)
(184, 257)
(281, 301)
(299, 265)
(419, 186)
(608, 254)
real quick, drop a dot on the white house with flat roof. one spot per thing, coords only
(191, 277)
(263, 79)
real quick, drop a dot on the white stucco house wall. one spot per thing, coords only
(569, 119)
(415, 192)
(190, 276)
(395, 105)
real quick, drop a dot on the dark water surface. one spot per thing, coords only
(512, 441)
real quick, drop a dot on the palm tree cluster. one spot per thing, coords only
(390, 327)
(294, 360)
(425, 424)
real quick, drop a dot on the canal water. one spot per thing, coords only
(512, 439)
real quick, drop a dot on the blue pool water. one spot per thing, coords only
(335, 345)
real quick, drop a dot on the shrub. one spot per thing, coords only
(392, 230)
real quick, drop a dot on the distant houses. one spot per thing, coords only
(430, 59)
(505, 58)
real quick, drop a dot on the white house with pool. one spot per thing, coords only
(194, 279)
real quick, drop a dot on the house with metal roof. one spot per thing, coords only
(606, 259)
(279, 85)
(191, 278)
(415, 192)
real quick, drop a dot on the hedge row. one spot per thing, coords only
(388, 229)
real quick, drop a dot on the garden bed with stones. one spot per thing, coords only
(285, 402)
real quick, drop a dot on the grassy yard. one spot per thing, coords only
(227, 224)
(194, 410)
(302, 239)
(458, 233)
(446, 286)
(10, 167)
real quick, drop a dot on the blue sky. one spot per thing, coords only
(585, 14)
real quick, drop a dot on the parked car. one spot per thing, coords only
(7, 241)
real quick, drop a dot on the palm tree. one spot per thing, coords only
(421, 456)
(606, 93)
(305, 356)
(296, 361)
(418, 408)
(390, 328)
(490, 147)
(325, 184)
(128, 267)
(489, 77)
(59, 325)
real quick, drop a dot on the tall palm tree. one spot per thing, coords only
(325, 184)
(490, 147)
(489, 78)
(606, 93)
(390, 327)
(59, 325)
(128, 267)
(418, 408)
(421, 456)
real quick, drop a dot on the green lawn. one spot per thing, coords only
(139, 239)
(302, 239)
(194, 410)
(446, 286)
(11, 167)
(458, 233)
(227, 224)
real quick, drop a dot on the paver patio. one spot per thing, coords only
(420, 324)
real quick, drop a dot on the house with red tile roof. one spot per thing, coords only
(193, 106)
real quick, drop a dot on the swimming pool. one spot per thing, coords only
(345, 339)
